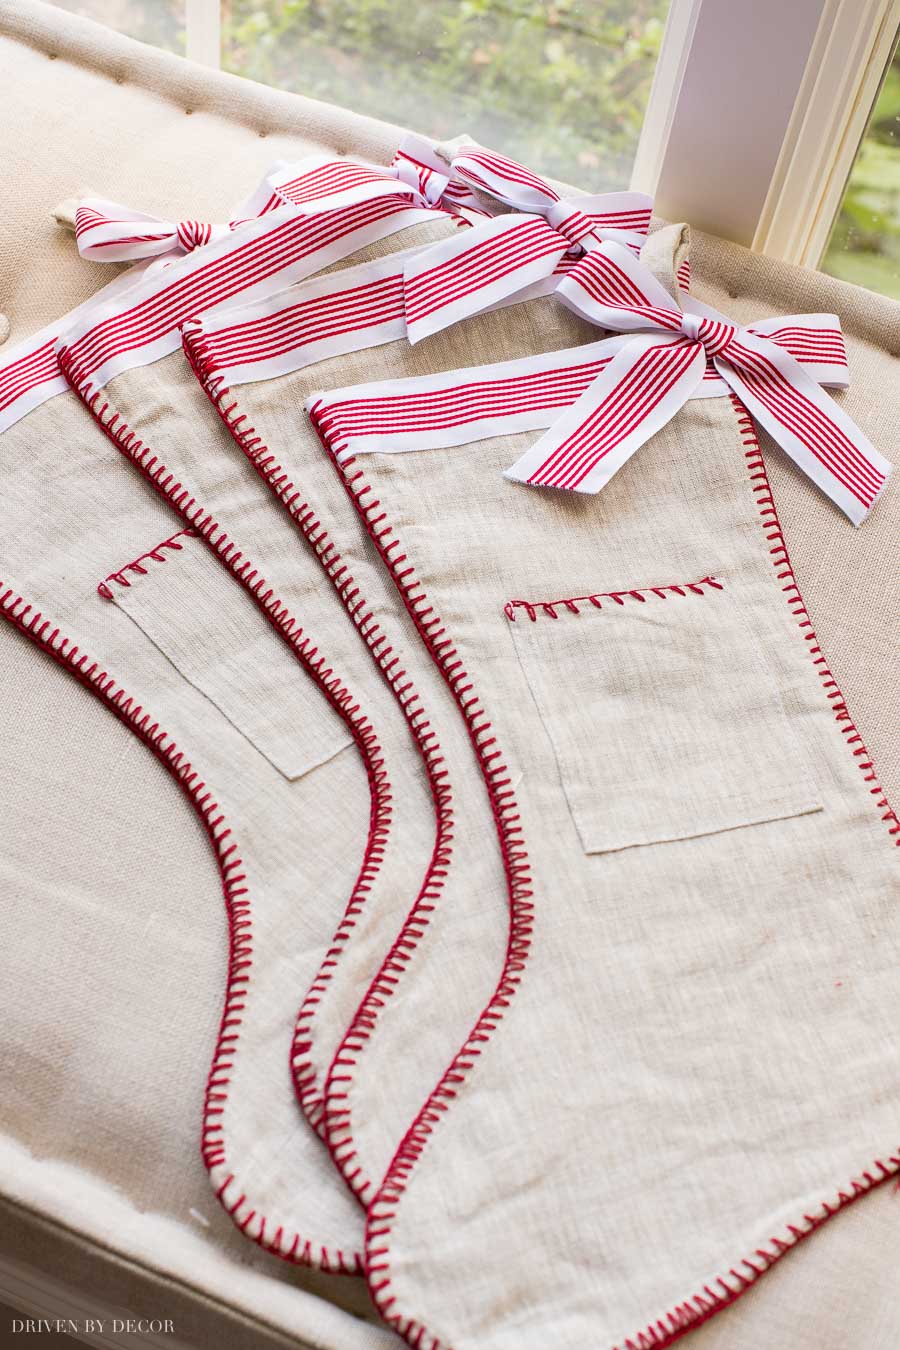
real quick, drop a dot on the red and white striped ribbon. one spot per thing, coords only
(366, 201)
(661, 367)
(417, 163)
(505, 255)
(108, 232)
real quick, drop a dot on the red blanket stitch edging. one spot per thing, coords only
(39, 630)
(699, 1307)
(762, 489)
(335, 1097)
(282, 621)
(518, 876)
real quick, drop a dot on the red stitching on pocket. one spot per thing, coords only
(549, 607)
(136, 565)
(329, 1104)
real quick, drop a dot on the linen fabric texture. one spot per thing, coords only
(686, 1062)
(176, 628)
(391, 931)
(60, 850)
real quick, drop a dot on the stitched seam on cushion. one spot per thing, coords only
(382, 1211)
(533, 608)
(156, 554)
(762, 489)
(291, 1247)
(329, 1103)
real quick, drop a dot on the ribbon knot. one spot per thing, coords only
(193, 234)
(108, 232)
(665, 356)
(715, 335)
(575, 225)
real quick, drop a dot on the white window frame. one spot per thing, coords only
(760, 150)
(756, 149)
(833, 107)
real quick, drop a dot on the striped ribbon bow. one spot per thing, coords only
(417, 163)
(674, 347)
(108, 232)
(506, 255)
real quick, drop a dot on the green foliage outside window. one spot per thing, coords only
(865, 243)
(559, 84)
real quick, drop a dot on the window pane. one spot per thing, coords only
(158, 21)
(560, 84)
(865, 243)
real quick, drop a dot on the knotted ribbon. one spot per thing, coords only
(108, 232)
(672, 349)
(417, 163)
(584, 251)
(506, 255)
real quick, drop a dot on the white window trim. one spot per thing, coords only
(846, 66)
(665, 90)
(757, 149)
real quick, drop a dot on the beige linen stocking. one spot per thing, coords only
(395, 1035)
(204, 658)
(690, 1059)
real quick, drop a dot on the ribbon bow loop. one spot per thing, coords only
(671, 350)
(584, 221)
(509, 257)
(108, 232)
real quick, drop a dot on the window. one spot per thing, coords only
(159, 22)
(746, 136)
(560, 84)
(865, 242)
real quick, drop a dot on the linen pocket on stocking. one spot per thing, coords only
(665, 719)
(202, 622)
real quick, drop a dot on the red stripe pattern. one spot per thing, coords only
(608, 406)
(286, 243)
(303, 323)
(508, 254)
(649, 381)
(28, 372)
(454, 406)
(108, 232)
